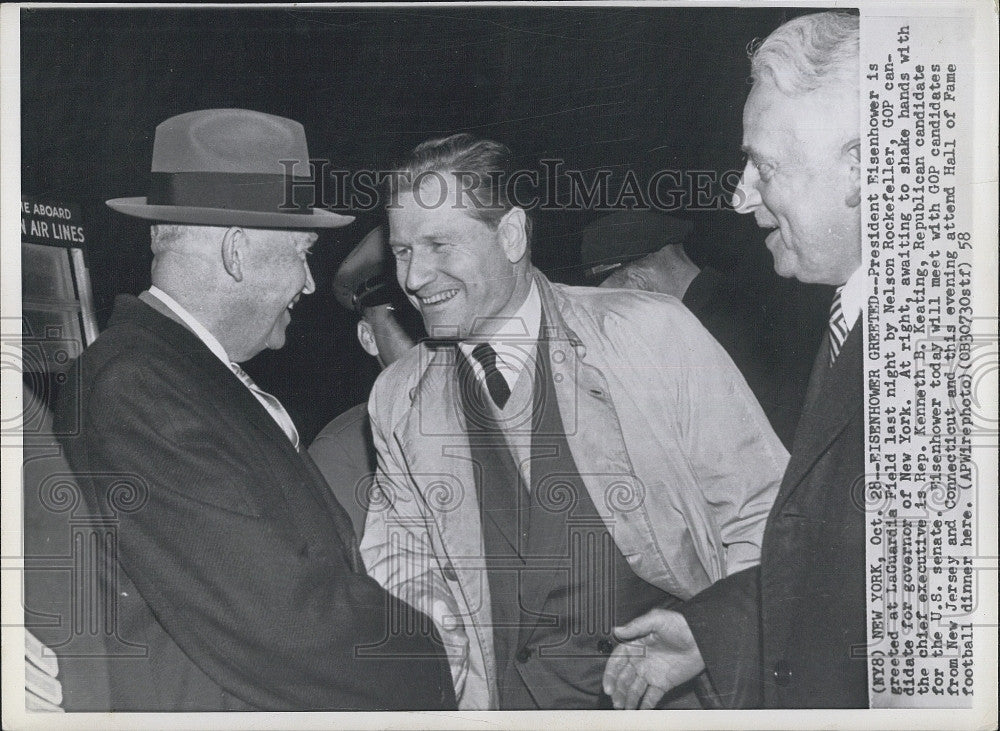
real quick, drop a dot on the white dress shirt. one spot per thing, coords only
(514, 341)
(853, 296)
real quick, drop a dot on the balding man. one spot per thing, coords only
(791, 632)
(234, 566)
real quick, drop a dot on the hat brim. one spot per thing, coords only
(319, 218)
(595, 272)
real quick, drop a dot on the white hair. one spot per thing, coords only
(809, 52)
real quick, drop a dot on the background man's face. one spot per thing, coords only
(277, 274)
(799, 182)
(451, 265)
(393, 331)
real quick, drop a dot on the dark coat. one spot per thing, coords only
(233, 565)
(791, 632)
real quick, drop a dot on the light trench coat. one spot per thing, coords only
(673, 449)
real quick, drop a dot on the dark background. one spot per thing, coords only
(620, 87)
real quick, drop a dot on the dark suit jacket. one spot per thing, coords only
(230, 561)
(345, 454)
(791, 632)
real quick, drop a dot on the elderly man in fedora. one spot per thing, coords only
(233, 568)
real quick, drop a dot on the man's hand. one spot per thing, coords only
(667, 271)
(658, 654)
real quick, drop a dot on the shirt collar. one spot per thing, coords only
(852, 296)
(515, 339)
(193, 325)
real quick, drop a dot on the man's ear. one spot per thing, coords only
(366, 336)
(514, 234)
(234, 251)
(852, 152)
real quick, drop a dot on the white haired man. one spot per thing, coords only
(790, 632)
(232, 562)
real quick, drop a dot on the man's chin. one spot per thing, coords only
(275, 339)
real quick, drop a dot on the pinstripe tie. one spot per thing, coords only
(838, 326)
(271, 404)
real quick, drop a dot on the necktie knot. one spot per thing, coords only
(838, 325)
(496, 384)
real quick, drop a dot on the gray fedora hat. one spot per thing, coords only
(222, 167)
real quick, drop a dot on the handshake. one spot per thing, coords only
(658, 653)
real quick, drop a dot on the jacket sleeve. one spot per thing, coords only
(266, 613)
(736, 456)
(725, 622)
(398, 552)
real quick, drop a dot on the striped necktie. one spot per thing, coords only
(271, 403)
(495, 382)
(838, 326)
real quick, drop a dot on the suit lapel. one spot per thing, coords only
(219, 378)
(216, 373)
(833, 397)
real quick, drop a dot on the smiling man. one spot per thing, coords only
(552, 460)
(791, 632)
(234, 572)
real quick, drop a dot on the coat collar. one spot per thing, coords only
(150, 314)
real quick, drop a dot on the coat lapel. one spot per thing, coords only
(834, 395)
(216, 373)
(433, 443)
(600, 455)
(223, 381)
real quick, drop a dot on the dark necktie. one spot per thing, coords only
(495, 382)
(838, 326)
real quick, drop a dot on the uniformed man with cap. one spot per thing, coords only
(388, 327)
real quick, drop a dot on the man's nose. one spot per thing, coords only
(418, 271)
(746, 197)
(310, 286)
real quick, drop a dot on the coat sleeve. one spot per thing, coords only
(261, 610)
(398, 552)
(735, 456)
(725, 622)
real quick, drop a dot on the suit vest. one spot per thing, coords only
(558, 582)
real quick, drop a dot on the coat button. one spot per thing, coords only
(782, 675)
(605, 647)
(449, 573)
(523, 654)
